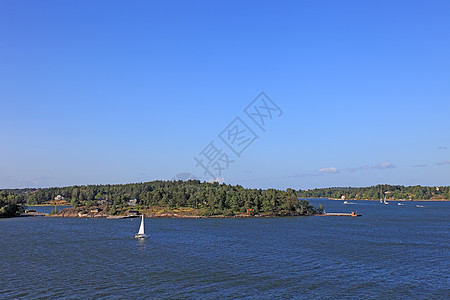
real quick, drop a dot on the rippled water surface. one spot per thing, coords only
(391, 252)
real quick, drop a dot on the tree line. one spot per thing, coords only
(393, 192)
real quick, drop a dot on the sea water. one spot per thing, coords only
(391, 252)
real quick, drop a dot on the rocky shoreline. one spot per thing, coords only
(158, 212)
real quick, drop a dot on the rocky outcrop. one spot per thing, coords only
(77, 212)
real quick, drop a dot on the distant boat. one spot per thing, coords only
(385, 202)
(419, 205)
(346, 202)
(141, 234)
(399, 204)
(381, 201)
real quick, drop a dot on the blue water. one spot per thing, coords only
(391, 252)
(47, 209)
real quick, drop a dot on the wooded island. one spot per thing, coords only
(207, 199)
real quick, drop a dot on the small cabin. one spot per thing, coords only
(132, 202)
(59, 198)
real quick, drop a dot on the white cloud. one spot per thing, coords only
(330, 170)
(445, 162)
(385, 165)
(217, 179)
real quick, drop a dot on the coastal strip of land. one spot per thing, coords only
(156, 212)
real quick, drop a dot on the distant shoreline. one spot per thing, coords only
(397, 200)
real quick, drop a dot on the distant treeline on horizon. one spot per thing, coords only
(393, 192)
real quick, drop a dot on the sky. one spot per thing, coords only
(265, 94)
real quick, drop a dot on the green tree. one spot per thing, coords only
(75, 202)
(113, 210)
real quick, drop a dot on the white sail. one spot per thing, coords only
(141, 228)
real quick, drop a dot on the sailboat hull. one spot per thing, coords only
(140, 236)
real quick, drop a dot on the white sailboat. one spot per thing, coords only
(385, 202)
(141, 234)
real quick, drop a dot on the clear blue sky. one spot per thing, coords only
(95, 92)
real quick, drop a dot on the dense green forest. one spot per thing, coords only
(10, 204)
(393, 192)
(213, 198)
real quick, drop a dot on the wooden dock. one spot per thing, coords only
(121, 217)
(352, 214)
